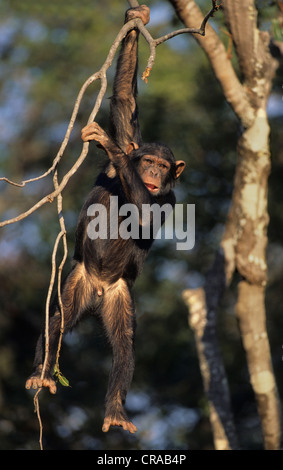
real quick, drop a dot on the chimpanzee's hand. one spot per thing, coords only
(141, 12)
(94, 132)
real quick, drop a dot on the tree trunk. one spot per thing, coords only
(251, 185)
(202, 304)
(245, 238)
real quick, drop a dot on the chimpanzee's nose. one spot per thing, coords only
(154, 171)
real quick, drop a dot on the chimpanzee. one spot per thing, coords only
(104, 270)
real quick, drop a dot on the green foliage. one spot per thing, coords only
(277, 28)
(60, 377)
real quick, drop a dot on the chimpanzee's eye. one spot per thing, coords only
(163, 167)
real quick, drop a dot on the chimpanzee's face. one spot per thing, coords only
(154, 172)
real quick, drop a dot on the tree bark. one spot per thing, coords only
(203, 304)
(250, 213)
(245, 237)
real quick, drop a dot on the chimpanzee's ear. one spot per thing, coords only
(180, 166)
(130, 147)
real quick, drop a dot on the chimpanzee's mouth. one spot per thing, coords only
(151, 187)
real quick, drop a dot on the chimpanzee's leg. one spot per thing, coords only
(77, 294)
(119, 321)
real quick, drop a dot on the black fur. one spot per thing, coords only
(104, 270)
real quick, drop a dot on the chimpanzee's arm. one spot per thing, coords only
(124, 122)
(133, 186)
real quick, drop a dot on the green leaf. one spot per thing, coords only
(63, 381)
(60, 377)
(277, 29)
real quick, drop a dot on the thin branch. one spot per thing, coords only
(62, 235)
(60, 269)
(101, 74)
(46, 356)
(63, 146)
(200, 30)
(153, 43)
(37, 411)
(50, 289)
(21, 185)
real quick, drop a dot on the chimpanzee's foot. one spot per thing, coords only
(118, 421)
(35, 381)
